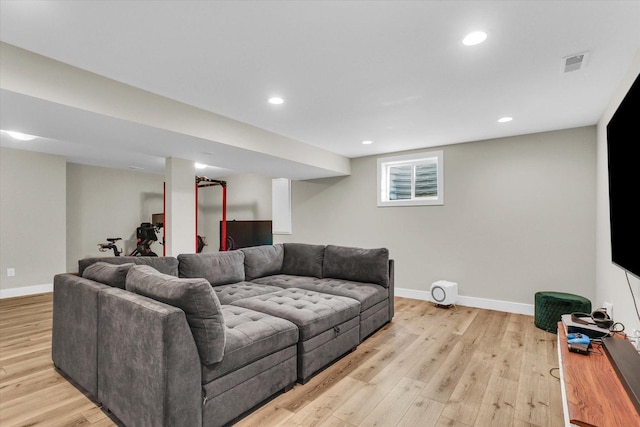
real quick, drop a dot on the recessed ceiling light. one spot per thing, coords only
(136, 168)
(505, 119)
(20, 136)
(474, 38)
(276, 100)
(367, 142)
(200, 165)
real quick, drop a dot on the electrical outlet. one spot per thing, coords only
(636, 339)
(609, 307)
(11, 272)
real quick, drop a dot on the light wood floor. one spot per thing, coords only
(429, 367)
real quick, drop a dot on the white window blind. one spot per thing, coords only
(415, 179)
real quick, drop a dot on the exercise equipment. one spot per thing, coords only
(203, 182)
(145, 236)
(110, 245)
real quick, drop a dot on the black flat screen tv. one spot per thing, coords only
(623, 150)
(244, 234)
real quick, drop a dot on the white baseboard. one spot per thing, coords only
(489, 304)
(26, 290)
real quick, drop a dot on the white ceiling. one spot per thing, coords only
(394, 72)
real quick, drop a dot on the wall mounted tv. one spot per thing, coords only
(623, 150)
(244, 234)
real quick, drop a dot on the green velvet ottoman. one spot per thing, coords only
(550, 306)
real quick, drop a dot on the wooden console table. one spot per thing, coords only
(592, 394)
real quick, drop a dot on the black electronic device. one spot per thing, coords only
(626, 362)
(591, 330)
(579, 348)
(598, 317)
(602, 318)
(578, 343)
(244, 234)
(623, 151)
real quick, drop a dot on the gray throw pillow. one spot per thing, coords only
(219, 268)
(164, 264)
(195, 297)
(109, 274)
(301, 259)
(260, 261)
(357, 264)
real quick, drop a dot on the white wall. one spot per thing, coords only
(32, 220)
(519, 217)
(106, 202)
(248, 198)
(611, 281)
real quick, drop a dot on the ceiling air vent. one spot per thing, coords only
(574, 62)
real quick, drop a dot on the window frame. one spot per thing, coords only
(384, 163)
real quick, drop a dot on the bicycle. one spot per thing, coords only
(106, 247)
(145, 236)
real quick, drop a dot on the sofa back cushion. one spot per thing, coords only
(360, 265)
(219, 268)
(260, 261)
(108, 274)
(164, 264)
(193, 296)
(301, 259)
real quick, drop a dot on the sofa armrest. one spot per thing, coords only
(149, 370)
(74, 338)
(391, 289)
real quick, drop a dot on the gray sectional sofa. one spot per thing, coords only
(201, 339)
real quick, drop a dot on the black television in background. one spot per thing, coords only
(244, 234)
(623, 150)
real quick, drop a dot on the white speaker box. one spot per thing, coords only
(444, 293)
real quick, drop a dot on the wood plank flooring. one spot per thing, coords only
(463, 367)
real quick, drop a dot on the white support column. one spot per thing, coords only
(180, 206)
(281, 205)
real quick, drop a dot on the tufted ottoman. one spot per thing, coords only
(259, 355)
(328, 325)
(550, 306)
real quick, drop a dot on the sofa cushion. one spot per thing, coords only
(301, 259)
(235, 291)
(260, 261)
(285, 281)
(367, 294)
(219, 268)
(193, 296)
(361, 265)
(108, 274)
(251, 335)
(312, 312)
(164, 264)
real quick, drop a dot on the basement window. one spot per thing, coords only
(411, 180)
